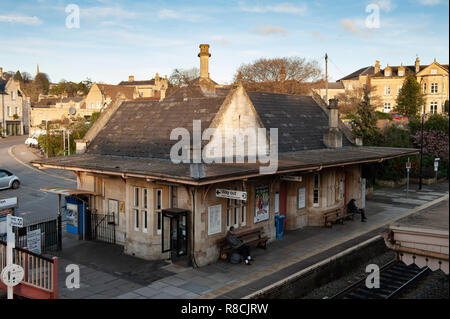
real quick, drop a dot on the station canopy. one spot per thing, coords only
(67, 191)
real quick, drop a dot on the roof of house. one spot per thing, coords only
(2, 86)
(144, 82)
(368, 70)
(409, 69)
(331, 85)
(113, 90)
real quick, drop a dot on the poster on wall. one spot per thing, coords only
(301, 197)
(261, 203)
(214, 219)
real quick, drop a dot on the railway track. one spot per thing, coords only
(395, 276)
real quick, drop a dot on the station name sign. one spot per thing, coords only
(231, 194)
(8, 203)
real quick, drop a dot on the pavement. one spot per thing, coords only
(106, 272)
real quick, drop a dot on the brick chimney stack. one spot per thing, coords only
(283, 74)
(1, 72)
(131, 78)
(417, 65)
(377, 67)
(333, 136)
(204, 56)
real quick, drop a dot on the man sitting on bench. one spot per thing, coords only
(237, 244)
(352, 208)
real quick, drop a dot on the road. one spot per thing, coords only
(34, 205)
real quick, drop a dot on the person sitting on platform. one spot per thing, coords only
(352, 208)
(238, 245)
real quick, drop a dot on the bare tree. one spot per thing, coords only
(269, 70)
(350, 99)
(182, 76)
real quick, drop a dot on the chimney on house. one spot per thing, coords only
(377, 67)
(283, 74)
(131, 78)
(417, 65)
(156, 78)
(204, 56)
(1, 72)
(333, 136)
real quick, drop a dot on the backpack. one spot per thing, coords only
(235, 258)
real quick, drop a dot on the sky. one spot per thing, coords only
(115, 39)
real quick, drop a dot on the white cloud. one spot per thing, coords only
(285, 7)
(106, 12)
(430, 2)
(167, 14)
(349, 26)
(267, 30)
(21, 19)
(385, 5)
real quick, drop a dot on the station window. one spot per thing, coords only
(236, 213)
(158, 209)
(136, 219)
(144, 221)
(316, 190)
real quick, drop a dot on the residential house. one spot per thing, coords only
(154, 88)
(100, 96)
(162, 209)
(14, 115)
(387, 83)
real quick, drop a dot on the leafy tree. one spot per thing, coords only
(446, 107)
(437, 122)
(410, 98)
(365, 123)
(42, 83)
(18, 76)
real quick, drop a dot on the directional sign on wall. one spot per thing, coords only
(231, 194)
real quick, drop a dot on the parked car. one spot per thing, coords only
(397, 116)
(8, 180)
(32, 141)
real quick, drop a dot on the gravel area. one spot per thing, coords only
(431, 286)
(357, 273)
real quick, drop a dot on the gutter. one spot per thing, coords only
(217, 180)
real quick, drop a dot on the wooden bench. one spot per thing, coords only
(252, 237)
(337, 215)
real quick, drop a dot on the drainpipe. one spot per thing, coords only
(194, 263)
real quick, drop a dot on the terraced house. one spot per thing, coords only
(161, 209)
(433, 79)
(14, 107)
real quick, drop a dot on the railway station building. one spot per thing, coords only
(161, 209)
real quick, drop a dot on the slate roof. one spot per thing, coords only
(301, 122)
(165, 169)
(2, 86)
(113, 90)
(144, 82)
(368, 70)
(331, 85)
(142, 128)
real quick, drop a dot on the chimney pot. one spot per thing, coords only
(417, 65)
(131, 78)
(377, 67)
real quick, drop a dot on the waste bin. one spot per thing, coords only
(279, 225)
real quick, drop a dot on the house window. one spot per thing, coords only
(158, 209)
(316, 190)
(12, 96)
(433, 71)
(92, 105)
(434, 87)
(9, 111)
(424, 88)
(387, 90)
(387, 107)
(433, 107)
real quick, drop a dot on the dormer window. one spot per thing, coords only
(387, 73)
(401, 72)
